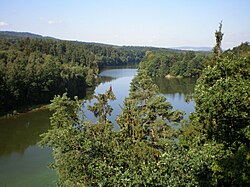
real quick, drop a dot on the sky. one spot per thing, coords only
(159, 23)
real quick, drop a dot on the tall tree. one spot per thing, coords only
(101, 108)
(146, 115)
(222, 115)
(217, 48)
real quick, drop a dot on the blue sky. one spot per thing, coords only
(160, 23)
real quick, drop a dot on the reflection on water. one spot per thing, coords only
(20, 132)
(20, 158)
(172, 86)
(117, 73)
(176, 91)
(28, 169)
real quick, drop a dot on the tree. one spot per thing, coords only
(174, 63)
(146, 115)
(222, 100)
(217, 48)
(101, 108)
(88, 154)
(36, 69)
(222, 115)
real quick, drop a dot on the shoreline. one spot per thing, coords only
(24, 110)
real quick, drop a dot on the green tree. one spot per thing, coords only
(217, 48)
(222, 115)
(146, 115)
(36, 69)
(222, 100)
(102, 108)
(89, 154)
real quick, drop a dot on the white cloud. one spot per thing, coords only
(52, 22)
(3, 24)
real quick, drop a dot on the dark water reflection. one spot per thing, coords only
(172, 86)
(176, 90)
(22, 131)
(22, 162)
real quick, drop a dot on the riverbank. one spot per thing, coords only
(24, 109)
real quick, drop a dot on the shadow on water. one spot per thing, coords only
(20, 157)
(172, 86)
(176, 90)
(22, 131)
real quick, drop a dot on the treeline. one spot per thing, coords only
(184, 63)
(33, 70)
(237, 52)
(177, 64)
(73, 51)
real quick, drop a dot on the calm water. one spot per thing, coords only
(176, 90)
(24, 164)
(120, 80)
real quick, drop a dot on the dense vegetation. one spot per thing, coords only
(93, 154)
(213, 149)
(33, 70)
(188, 63)
(222, 115)
(178, 64)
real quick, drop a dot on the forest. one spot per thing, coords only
(34, 68)
(184, 64)
(211, 149)
(175, 64)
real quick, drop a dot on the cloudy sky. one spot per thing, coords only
(160, 23)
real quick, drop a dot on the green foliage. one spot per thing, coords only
(222, 115)
(217, 48)
(146, 114)
(222, 99)
(144, 152)
(33, 70)
(238, 52)
(37, 80)
(182, 64)
(101, 108)
(89, 154)
(210, 150)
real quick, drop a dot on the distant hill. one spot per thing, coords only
(13, 34)
(190, 48)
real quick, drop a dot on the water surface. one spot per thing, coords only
(22, 162)
(176, 90)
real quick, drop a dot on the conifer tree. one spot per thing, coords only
(102, 108)
(146, 115)
(217, 48)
